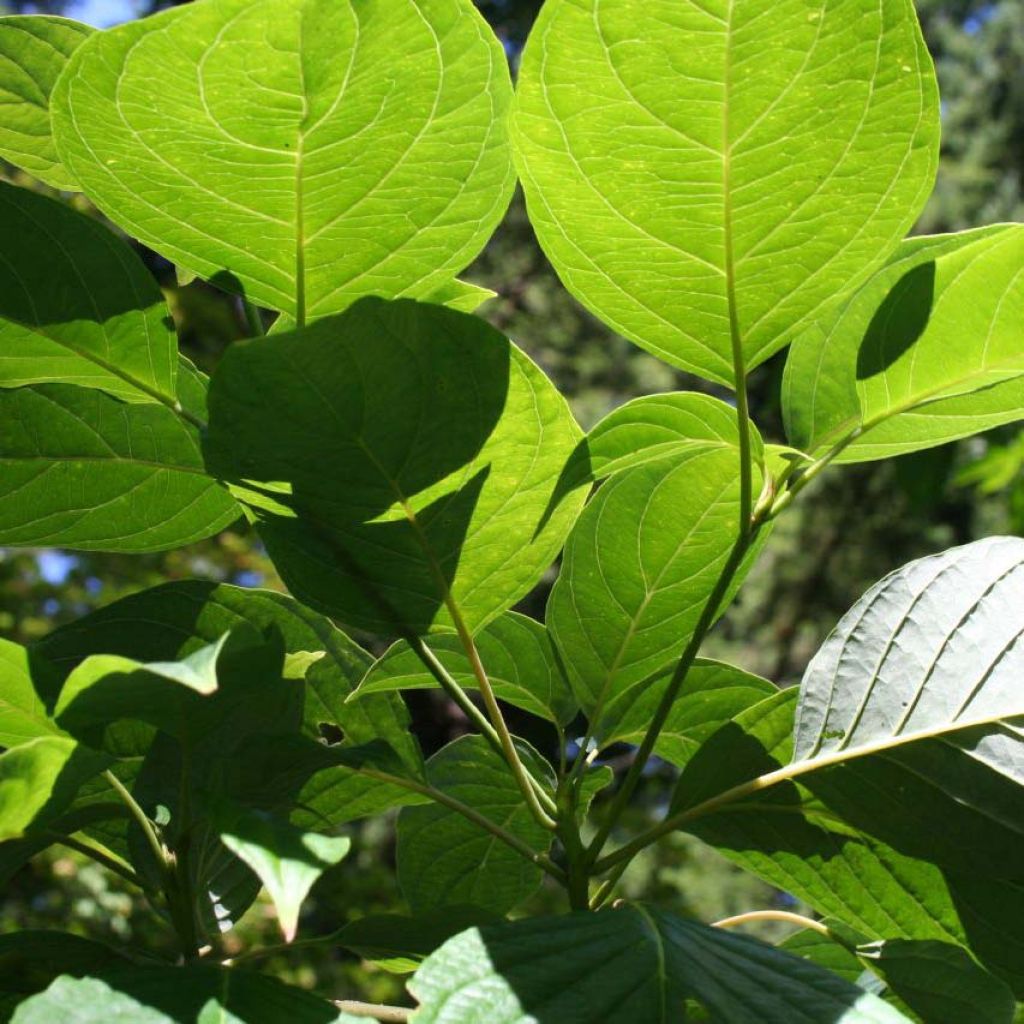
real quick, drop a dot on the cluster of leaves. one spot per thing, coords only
(717, 183)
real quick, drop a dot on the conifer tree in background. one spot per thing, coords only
(979, 53)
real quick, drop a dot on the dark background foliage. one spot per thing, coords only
(856, 525)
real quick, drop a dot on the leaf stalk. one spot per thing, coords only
(375, 1011)
(753, 916)
(540, 803)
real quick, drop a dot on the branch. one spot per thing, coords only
(805, 476)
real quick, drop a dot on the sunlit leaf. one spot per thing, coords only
(638, 569)
(80, 469)
(27, 681)
(34, 49)
(654, 427)
(698, 171)
(306, 152)
(77, 306)
(519, 660)
(287, 860)
(712, 694)
(929, 350)
(40, 778)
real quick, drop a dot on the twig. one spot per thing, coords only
(102, 858)
(376, 1011)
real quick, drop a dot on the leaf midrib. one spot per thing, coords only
(97, 360)
(650, 593)
(935, 394)
(106, 460)
(739, 368)
(661, 976)
(797, 769)
(849, 427)
(300, 212)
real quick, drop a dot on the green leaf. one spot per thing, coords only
(180, 787)
(941, 982)
(400, 944)
(243, 692)
(653, 427)
(935, 982)
(287, 860)
(461, 295)
(444, 858)
(413, 449)
(518, 656)
(173, 620)
(40, 778)
(193, 386)
(700, 170)
(27, 681)
(921, 682)
(325, 785)
(189, 743)
(634, 963)
(712, 694)
(638, 568)
(800, 845)
(77, 306)
(106, 690)
(595, 779)
(28, 775)
(30, 959)
(34, 49)
(308, 153)
(170, 995)
(196, 671)
(82, 470)
(825, 952)
(926, 352)
(47, 829)
(909, 722)
(455, 294)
